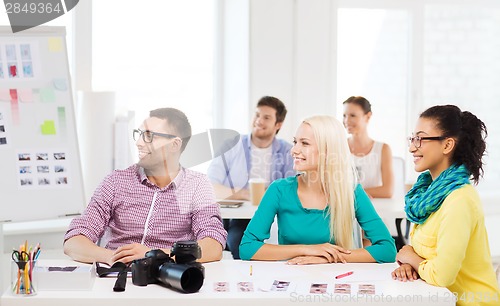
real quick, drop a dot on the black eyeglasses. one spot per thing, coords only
(148, 136)
(417, 140)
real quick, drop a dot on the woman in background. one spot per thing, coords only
(373, 159)
(318, 211)
(449, 241)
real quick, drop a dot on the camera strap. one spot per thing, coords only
(121, 281)
(118, 268)
(105, 271)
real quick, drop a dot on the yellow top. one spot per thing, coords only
(454, 243)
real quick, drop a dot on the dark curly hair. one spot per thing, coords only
(468, 130)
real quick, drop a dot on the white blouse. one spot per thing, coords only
(369, 166)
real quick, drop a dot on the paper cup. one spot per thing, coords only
(257, 189)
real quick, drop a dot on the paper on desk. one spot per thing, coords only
(99, 266)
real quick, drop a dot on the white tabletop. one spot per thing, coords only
(245, 211)
(387, 291)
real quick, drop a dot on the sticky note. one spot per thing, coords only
(25, 95)
(47, 95)
(60, 84)
(48, 127)
(13, 94)
(4, 95)
(55, 44)
(61, 115)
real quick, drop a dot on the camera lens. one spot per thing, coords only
(186, 251)
(181, 277)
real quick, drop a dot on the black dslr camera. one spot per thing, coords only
(183, 274)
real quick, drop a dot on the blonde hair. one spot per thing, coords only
(336, 172)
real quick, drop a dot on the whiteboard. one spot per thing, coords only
(40, 172)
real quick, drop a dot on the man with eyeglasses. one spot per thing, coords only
(151, 204)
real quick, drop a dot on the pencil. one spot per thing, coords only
(251, 272)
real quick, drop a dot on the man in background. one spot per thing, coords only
(258, 155)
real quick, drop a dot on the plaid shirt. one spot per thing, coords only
(128, 208)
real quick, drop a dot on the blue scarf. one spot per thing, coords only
(426, 196)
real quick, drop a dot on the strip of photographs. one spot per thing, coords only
(3, 131)
(43, 169)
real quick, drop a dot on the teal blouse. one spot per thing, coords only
(299, 225)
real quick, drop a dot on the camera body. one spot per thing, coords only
(183, 273)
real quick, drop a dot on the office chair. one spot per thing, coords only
(398, 165)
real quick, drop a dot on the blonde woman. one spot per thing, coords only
(319, 209)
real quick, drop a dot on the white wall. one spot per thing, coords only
(286, 50)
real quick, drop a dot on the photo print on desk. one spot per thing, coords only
(244, 286)
(342, 289)
(221, 286)
(366, 289)
(280, 285)
(318, 288)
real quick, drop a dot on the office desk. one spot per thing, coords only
(387, 291)
(245, 211)
(388, 209)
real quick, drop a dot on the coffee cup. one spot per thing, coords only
(257, 189)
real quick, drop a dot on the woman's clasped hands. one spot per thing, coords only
(320, 253)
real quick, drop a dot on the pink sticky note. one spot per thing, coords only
(4, 95)
(25, 95)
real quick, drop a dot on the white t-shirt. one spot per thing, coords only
(370, 166)
(261, 161)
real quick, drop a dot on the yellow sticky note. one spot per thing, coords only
(55, 44)
(48, 127)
